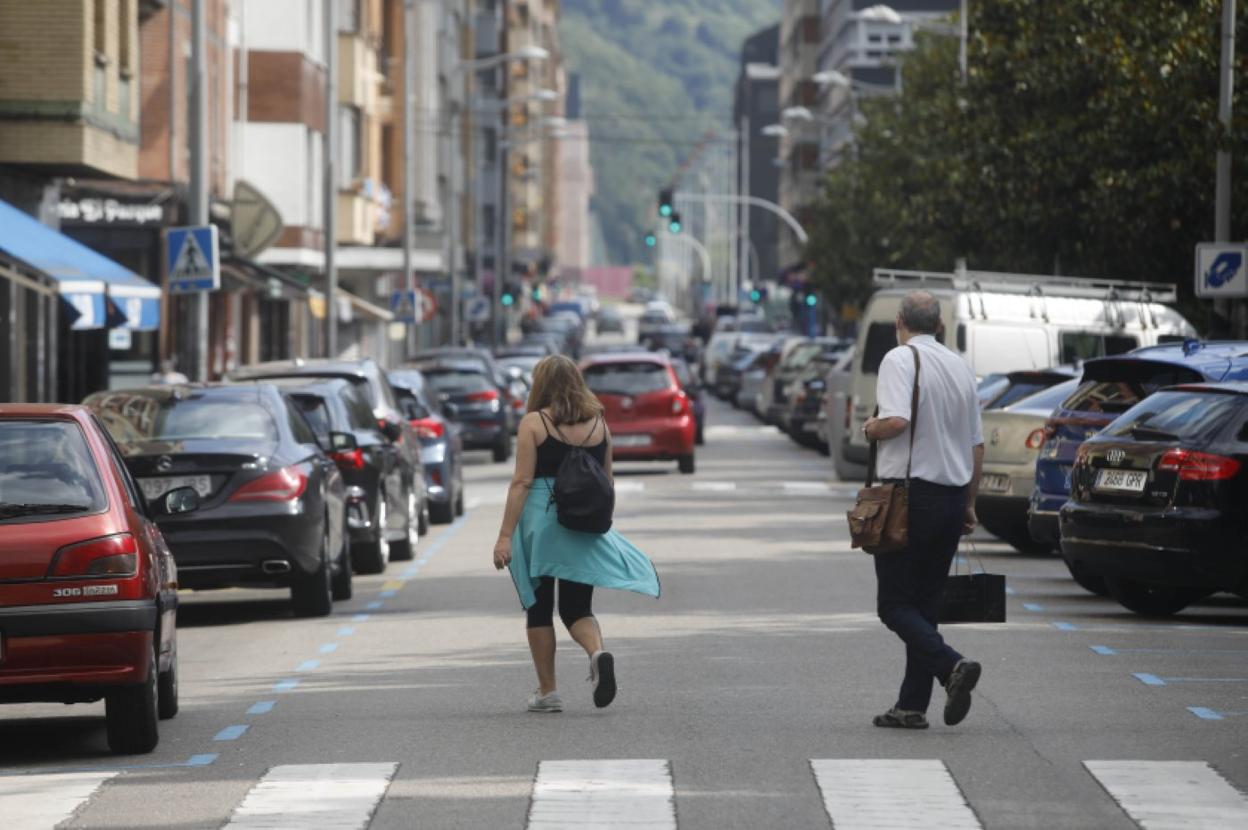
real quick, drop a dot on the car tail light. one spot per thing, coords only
(107, 556)
(1037, 438)
(1198, 466)
(678, 403)
(351, 460)
(1050, 430)
(428, 428)
(436, 475)
(286, 484)
(481, 397)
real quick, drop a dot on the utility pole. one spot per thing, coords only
(963, 33)
(409, 130)
(197, 121)
(1222, 198)
(331, 179)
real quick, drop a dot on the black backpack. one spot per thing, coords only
(583, 494)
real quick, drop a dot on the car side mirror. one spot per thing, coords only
(343, 442)
(179, 501)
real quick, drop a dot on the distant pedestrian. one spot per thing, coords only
(948, 451)
(169, 375)
(563, 415)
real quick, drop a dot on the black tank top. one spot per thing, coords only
(551, 452)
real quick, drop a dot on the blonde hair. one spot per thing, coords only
(559, 387)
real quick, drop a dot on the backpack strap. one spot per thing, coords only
(592, 429)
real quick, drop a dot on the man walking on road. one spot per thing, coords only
(948, 452)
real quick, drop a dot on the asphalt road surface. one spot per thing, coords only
(746, 691)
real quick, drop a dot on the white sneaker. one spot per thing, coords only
(539, 702)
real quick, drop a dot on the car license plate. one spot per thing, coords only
(154, 488)
(631, 440)
(810, 426)
(1122, 481)
(995, 483)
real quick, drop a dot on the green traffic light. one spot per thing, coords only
(651, 241)
(507, 299)
(811, 299)
(674, 226)
(755, 295)
(665, 211)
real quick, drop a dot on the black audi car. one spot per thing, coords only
(1157, 499)
(472, 398)
(272, 503)
(407, 510)
(372, 469)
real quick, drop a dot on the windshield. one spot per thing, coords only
(1023, 388)
(46, 470)
(1133, 384)
(627, 378)
(1046, 400)
(163, 416)
(458, 383)
(1185, 415)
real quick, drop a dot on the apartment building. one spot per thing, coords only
(573, 243)
(756, 107)
(800, 172)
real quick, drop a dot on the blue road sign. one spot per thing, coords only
(192, 260)
(403, 304)
(1221, 270)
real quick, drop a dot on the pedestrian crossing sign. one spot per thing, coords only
(192, 259)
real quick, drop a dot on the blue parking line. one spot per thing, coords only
(328, 648)
(373, 606)
(1009, 592)
(1148, 679)
(1065, 626)
(199, 760)
(385, 595)
(285, 685)
(262, 707)
(1033, 606)
(1154, 680)
(1109, 650)
(360, 617)
(1103, 650)
(346, 631)
(307, 665)
(1204, 714)
(231, 733)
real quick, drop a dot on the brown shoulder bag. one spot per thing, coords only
(880, 520)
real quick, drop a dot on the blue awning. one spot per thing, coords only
(90, 283)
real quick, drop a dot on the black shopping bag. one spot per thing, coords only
(973, 597)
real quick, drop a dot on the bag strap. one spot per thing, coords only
(873, 446)
(544, 423)
(592, 429)
(914, 411)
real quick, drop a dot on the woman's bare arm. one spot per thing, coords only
(522, 478)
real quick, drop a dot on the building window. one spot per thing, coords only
(350, 156)
(389, 171)
(100, 19)
(487, 222)
(349, 16)
(125, 42)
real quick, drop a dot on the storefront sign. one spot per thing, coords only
(105, 211)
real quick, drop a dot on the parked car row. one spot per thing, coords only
(292, 475)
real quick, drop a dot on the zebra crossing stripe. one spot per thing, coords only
(879, 794)
(603, 795)
(629, 486)
(39, 801)
(1172, 795)
(715, 486)
(324, 796)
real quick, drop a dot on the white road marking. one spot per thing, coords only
(324, 796)
(39, 801)
(602, 795)
(806, 486)
(878, 794)
(1172, 795)
(715, 486)
(629, 486)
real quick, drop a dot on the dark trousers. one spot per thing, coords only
(910, 584)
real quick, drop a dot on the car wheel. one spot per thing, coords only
(459, 499)
(1091, 582)
(344, 582)
(424, 519)
(167, 686)
(312, 595)
(405, 548)
(686, 464)
(132, 712)
(442, 514)
(502, 448)
(1152, 600)
(372, 557)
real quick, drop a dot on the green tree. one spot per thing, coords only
(1082, 143)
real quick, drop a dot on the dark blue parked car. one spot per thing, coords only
(1110, 386)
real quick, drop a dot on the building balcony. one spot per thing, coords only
(356, 221)
(358, 78)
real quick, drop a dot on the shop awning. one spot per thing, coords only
(101, 293)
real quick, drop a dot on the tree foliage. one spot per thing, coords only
(1083, 143)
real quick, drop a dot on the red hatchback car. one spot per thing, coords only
(649, 415)
(88, 588)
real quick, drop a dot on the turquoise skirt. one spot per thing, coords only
(540, 546)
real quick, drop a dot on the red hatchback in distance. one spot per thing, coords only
(649, 415)
(88, 588)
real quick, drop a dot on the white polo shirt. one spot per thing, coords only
(949, 418)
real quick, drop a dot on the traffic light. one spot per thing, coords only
(673, 223)
(811, 299)
(665, 202)
(508, 299)
(755, 295)
(651, 240)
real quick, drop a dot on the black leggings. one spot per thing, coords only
(574, 602)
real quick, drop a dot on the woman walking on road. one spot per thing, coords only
(563, 416)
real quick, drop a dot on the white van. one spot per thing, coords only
(1005, 322)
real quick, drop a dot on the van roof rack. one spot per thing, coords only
(1035, 284)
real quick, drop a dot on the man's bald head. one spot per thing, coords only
(920, 313)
